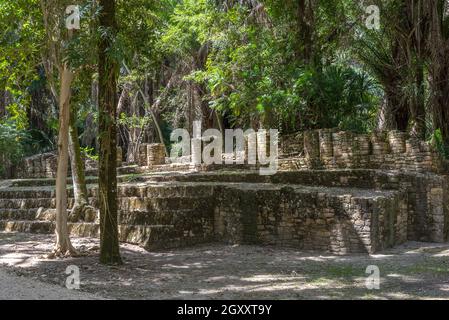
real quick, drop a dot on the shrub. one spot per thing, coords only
(11, 146)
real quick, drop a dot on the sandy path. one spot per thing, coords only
(412, 271)
(13, 287)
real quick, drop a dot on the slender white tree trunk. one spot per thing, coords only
(63, 245)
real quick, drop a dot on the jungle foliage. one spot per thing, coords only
(290, 64)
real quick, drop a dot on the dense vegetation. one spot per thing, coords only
(293, 65)
(286, 64)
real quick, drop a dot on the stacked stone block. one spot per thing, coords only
(45, 165)
(38, 166)
(341, 211)
(383, 150)
(344, 148)
(291, 145)
(119, 156)
(326, 147)
(143, 155)
(312, 219)
(312, 149)
(155, 154)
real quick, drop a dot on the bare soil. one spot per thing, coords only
(412, 271)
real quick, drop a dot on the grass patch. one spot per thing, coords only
(344, 271)
(132, 177)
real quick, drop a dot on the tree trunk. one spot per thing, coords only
(81, 204)
(416, 26)
(440, 98)
(90, 133)
(397, 108)
(2, 103)
(305, 20)
(63, 245)
(149, 108)
(418, 110)
(438, 46)
(107, 93)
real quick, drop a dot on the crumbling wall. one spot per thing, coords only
(45, 165)
(329, 149)
(151, 155)
(312, 220)
(336, 191)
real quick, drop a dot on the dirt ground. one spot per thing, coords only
(412, 271)
(13, 287)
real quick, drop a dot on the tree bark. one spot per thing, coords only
(438, 46)
(305, 19)
(63, 245)
(107, 92)
(81, 203)
(2, 102)
(149, 108)
(418, 110)
(416, 27)
(90, 133)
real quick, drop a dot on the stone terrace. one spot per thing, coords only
(335, 192)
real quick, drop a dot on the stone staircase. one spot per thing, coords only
(154, 216)
(335, 192)
(339, 211)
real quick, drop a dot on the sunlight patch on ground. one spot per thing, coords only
(271, 277)
(18, 260)
(220, 271)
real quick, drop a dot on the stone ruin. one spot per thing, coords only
(330, 150)
(335, 191)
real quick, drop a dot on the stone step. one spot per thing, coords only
(177, 217)
(40, 182)
(26, 193)
(131, 169)
(44, 227)
(158, 204)
(91, 178)
(125, 203)
(18, 214)
(123, 170)
(339, 220)
(135, 217)
(358, 178)
(27, 203)
(124, 190)
(148, 236)
(166, 190)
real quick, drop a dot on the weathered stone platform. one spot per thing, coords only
(340, 211)
(322, 199)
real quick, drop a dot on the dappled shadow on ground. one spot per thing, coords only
(412, 271)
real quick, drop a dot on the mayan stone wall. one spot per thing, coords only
(45, 165)
(324, 149)
(184, 213)
(310, 220)
(330, 149)
(151, 154)
(38, 166)
(427, 204)
(392, 188)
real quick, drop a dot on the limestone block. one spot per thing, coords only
(143, 159)
(379, 143)
(312, 148)
(397, 141)
(326, 143)
(155, 154)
